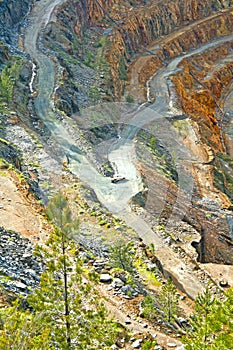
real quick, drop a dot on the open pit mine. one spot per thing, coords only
(127, 108)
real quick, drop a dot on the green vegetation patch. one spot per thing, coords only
(223, 174)
(8, 78)
(165, 305)
(122, 68)
(147, 274)
(151, 152)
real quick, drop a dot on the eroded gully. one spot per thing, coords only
(116, 196)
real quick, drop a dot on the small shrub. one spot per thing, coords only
(129, 99)
(149, 344)
(149, 307)
(102, 222)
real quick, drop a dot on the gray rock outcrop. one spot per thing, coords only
(20, 270)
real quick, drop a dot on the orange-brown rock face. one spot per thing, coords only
(200, 86)
(136, 26)
(91, 12)
(221, 24)
(143, 25)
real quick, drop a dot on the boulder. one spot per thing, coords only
(117, 283)
(137, 344)
(223, 283)
(130, 291)
(20, 285)
(105, 278)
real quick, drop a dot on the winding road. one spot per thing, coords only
(121, 153)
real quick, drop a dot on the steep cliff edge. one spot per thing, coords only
(14, 67)
(80, 37)
(200, 85)
(133, 26)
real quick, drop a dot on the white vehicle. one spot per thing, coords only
(117, 179)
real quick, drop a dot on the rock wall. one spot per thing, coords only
(213, 28)
(132, 28)
(142, 26)
(12, 13)
(91, 12)
(199, 86)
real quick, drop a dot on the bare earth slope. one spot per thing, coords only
(18, 208)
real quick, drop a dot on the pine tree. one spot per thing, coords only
(76, 317)
(211, 323)
(123, 256)
(59, 213)
(6, 85)
(201, 335)
(168, 301)
(225, 316)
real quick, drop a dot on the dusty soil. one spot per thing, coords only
(19, 211)
(124, 310)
